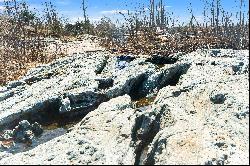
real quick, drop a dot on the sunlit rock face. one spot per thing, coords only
(98, 108)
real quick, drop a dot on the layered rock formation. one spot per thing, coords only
(200, 112)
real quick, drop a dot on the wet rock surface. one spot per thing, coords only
(193, 109)
(24, 134)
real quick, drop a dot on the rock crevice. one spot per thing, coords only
(183, 109)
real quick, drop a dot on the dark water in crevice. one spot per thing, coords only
(51, 130)
(53, 124)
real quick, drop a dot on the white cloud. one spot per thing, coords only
(112, 12)
(2, 8)
(63, 2)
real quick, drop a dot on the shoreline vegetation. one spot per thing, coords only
(25, 35)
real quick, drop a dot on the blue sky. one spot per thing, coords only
(98, 8)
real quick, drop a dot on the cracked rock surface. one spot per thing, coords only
(200, 114)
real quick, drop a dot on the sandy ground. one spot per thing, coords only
(86, 43)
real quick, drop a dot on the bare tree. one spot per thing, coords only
(152, 12)
(84, 8)
(162, 9)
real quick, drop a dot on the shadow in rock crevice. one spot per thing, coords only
(135, 93)
(143, 133)
(53, 122)
(148, 86)
(174, 76)
(162, 60)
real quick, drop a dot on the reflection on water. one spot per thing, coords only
(145, 102)
(160, 66)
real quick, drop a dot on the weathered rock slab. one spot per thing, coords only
(200, 114)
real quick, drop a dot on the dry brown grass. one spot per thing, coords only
(13, 67)
(152, 43)
(219, 29)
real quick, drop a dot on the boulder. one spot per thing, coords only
(79, 83)
(25, 132)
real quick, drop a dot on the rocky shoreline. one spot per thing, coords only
(182, 109)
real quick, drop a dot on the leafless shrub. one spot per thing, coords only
(159, 32)
(23, 34)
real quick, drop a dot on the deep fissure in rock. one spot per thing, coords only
(126, 58)
(99, 71)
(162, 60)
(53, 123)
(49, 115)
(174, 78)
(144, 138)
(135, 93)
(105, 83)
(35, 79)
(42, 113)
